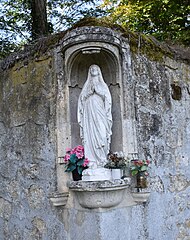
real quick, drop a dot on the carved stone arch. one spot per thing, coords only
(72, 60)
(78, 59)
(82, 61)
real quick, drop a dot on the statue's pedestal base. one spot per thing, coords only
(98, 174)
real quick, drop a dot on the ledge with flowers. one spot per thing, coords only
(108, 193)
(94, 195)
(139, 170)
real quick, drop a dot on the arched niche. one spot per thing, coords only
(78, 62)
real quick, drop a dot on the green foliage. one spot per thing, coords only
(14, 25)
(66, 13)
(16, 22)
(75, 163)
(75, 159)
(139, 166)
(6, 47)
(164, 19)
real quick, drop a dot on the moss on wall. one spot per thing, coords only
(33, 71)
(139, 43)
(27, 87)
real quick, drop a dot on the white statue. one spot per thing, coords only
(95, 120)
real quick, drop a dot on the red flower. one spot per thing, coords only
(148, 162)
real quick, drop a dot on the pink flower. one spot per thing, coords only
(68, 150)
(79, 155)
(67, 157)
(86, 162)
(80, 148)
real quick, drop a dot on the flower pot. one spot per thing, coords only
(76, 175)
(116, 173)
(141, 180)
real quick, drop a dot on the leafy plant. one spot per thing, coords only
(75, 159)
(116, 160)
(164, 19)
(139, 166)
(19, 19)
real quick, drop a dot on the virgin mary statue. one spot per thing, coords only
(95, 119)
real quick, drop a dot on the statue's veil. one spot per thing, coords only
(87, 91)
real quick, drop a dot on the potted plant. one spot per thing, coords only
(76, 162)
(139, 168)
(116, 163)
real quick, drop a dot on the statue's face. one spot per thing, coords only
(94, 71)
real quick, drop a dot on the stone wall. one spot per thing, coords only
(162, 101)
(160, 91)
(27, 153)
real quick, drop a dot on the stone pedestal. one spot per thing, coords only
(98, 174)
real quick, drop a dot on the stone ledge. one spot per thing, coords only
(99, 194)
(59, 199)
(98, 185)
(140, 197)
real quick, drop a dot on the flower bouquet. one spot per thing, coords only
(116, 161)
(75, 160)
(139, 168)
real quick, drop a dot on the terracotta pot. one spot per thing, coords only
(76, 175)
